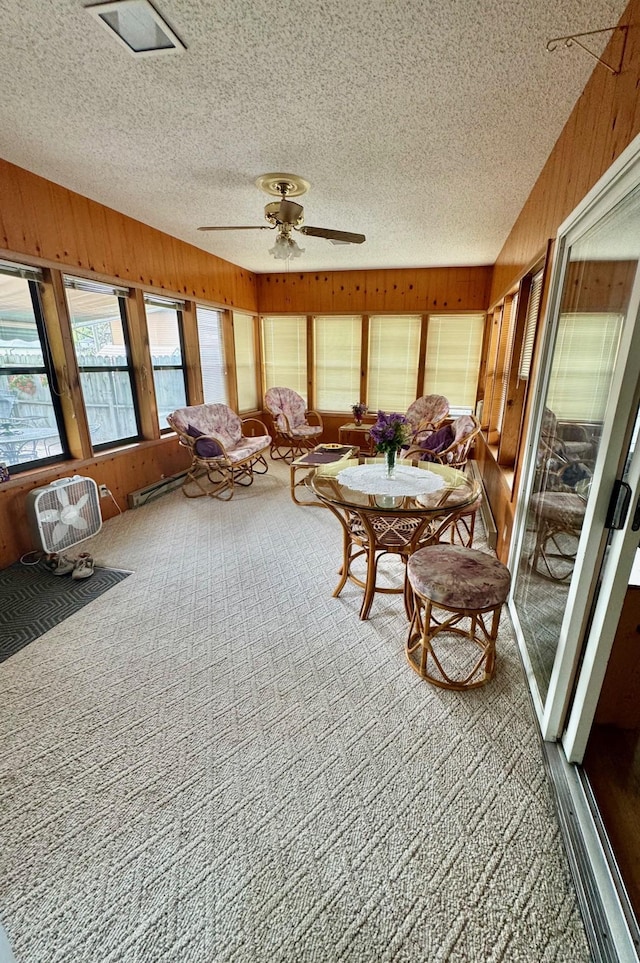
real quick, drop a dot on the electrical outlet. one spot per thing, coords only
(104, 491)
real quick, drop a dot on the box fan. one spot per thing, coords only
(64, 513)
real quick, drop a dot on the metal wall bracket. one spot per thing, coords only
(577, 37)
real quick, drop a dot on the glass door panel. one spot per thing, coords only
(578, 445)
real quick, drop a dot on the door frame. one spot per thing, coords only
(552, 712)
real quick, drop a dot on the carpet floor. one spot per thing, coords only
(217, 761)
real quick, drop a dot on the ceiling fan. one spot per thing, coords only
(286, 216)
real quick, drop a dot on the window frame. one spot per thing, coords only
(179, 307)
(122, 294)
(34, 278)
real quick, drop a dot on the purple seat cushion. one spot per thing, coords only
(458, 577)
(439, 440)
(436, 442)
(205, 448)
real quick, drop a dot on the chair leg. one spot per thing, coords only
(219, 482)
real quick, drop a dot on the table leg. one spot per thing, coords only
(294, 483)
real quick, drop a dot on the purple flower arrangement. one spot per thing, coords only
(391, 431)
(359, 409)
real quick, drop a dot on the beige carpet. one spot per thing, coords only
(217, 761)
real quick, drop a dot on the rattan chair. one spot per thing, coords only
(225, 450)
(425, 415)
(453, 453)
(292, 432)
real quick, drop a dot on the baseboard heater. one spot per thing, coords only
(485, 509)
(148, 494)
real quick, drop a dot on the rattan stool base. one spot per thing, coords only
(425, 656)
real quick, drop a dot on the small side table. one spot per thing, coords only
(362, 431)
(321, 455)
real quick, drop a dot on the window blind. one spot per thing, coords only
(20, 271)
(583, 361)
(212, 360)
(95, 287)
(452, 364)
(394, 345)
(337, 361)
(533, 310)
(246, 367)
(284, 341)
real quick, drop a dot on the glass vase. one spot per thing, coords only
(390, 458)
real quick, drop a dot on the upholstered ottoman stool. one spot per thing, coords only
(466, 585)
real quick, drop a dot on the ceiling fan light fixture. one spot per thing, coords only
(285, 248)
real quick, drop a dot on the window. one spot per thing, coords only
(285, 352)
(533, 310)
(31, 428)
(99, 329)
(164, 324)
(337, 362)
(500, 378)
(246, 367)
(212, 359)
(454, 344)
(394, 347)
(584, 356)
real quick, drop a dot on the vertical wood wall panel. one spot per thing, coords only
(355, 292)
(41, 219)
(603, 122)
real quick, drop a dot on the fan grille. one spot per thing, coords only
(64, 513)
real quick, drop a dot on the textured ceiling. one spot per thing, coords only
(420, 123)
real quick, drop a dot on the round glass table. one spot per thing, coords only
(381, 516)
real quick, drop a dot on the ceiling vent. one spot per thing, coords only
(138, 26)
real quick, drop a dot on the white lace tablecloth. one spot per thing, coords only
(407, 480)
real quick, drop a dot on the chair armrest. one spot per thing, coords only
(416, 453)
(423, 432)
(254, 421)
(316, 414)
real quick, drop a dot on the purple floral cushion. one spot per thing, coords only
(205, 448)
(458, 577)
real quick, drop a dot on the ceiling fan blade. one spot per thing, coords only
(252, 227)
(337, 237)
(289, 212)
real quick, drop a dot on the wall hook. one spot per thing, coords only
(576, 38)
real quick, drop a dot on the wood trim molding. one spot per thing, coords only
(58, 324)
(142, 365)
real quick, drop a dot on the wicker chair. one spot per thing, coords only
(222, 455)
(425, 415)
(561, 465)
(292, 433)
(455, 452)
(559, 519)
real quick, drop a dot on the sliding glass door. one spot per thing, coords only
(583, 422)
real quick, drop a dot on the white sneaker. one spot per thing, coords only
(59, 564)
(83, 567)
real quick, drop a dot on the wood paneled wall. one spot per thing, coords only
(598, 286)
(402, 290)
(122, 471)
(603, 122)
(43, 220)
